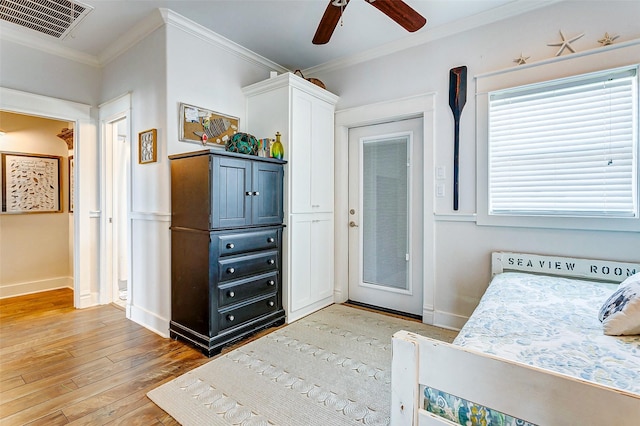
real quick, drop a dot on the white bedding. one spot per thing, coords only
(552, 323)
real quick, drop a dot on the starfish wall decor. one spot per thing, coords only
(565, 43)
(521, 60)
(607, 39)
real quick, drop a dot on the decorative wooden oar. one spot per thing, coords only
(457, 99)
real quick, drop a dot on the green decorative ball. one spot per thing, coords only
(243, 143)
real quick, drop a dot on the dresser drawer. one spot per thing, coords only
(232, 268)
(237, 291)
(233, 317)
(230, 244)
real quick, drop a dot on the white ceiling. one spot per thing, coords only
(279, 30)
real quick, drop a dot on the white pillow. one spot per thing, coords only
(620, 314)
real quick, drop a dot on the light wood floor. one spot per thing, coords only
(60, 365)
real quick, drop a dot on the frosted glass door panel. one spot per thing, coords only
(385, 212)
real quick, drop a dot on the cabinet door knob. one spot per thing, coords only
(230, 245)
(230, 318)
(256, 193)
(271, 261)
(232, 294)
(271, 282)
(271, 240)
(248, 193)
(271, 303)
(230, 270)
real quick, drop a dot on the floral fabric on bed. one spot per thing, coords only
(552, 323)
(465, 412)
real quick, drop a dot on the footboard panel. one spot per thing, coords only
(532, 394)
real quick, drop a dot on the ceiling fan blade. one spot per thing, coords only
(328, 23)
(400, 12)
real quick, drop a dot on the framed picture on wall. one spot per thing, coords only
(148, 146)
(205, 126)
(71, 182)
(30, 183)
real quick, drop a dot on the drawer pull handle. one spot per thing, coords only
(271, 282)
(271, 261)
(230, 270)
(256, 193)
(232, 294)
(230, 245)
(271, 303)
(230, 318)
(271, 240)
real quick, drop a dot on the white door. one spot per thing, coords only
(116, 207)
(385, 215)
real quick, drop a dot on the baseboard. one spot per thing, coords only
(303, 312)
(148, 320)
(448, 320)
(20, 289)
(87, 300)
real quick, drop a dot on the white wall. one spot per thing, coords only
(50, 86)
(34, 71)
(164, 69)
(459, 272)
(34, 248)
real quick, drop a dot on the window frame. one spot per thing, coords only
(540, 73)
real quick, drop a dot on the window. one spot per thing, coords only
(565, 148)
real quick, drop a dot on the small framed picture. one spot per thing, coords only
(148, 146)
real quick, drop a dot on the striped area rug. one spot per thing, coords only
(330, 368)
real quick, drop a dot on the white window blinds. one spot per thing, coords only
(566, 147)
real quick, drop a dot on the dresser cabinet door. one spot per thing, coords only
(232, 194)
(266, 194)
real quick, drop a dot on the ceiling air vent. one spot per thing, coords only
(55, 18)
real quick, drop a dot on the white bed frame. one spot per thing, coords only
(536, 395)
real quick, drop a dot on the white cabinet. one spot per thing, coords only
(312, 153)
(303, 113)
(311, 271)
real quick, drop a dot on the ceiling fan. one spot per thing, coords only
(397, 10)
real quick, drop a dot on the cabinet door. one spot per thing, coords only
(231, 194)
(311, 257)
(267, 194)
(311, 166)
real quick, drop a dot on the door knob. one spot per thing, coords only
(352, 224)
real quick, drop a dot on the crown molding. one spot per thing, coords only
(137, 33)
(35, 42)
(205, 34)
(290, 80)
(506, 11)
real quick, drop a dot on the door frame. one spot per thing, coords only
(84, 129)
(110, 112)
(411, 107)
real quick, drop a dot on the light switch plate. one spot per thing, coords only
(440, 172)
(440, 190)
